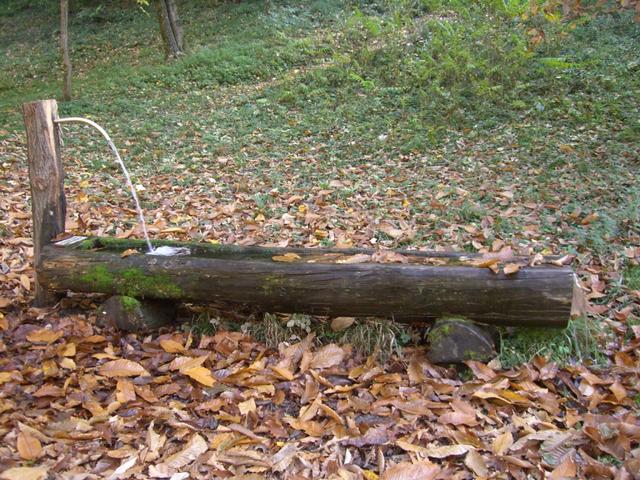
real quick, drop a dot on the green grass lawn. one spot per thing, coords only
(463, 123)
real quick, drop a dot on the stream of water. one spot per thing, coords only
(113, 148)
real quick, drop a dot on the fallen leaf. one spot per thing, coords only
(129, 252)
(390, 230)
(341, 323)
(357, 258)
(463, 414)
(447, 451)
(171, 346)
(124, 467)
(26, 283)
(502, 443)
(328, 356)
(194, 448)
(201, 375)
(25, 473)
(566, 469)
(511, 268)
(6, 377)
(287, 257)
(247, 406)
(424, 470)
(125, 391)
(122, 368)
(29, 447)
(476, 463)
(44, 335)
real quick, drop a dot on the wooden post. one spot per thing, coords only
(46, 177)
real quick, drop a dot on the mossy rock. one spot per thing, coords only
(456, 340)
(133, 315)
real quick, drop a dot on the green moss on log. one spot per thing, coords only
(132, 282)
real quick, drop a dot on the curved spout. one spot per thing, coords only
(113, 148)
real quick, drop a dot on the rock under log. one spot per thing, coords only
(534, 296)
(456, 340)
(133, 315)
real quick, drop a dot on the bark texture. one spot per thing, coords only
(170, 28)
(535, 296)
(46, 177)
(64, 46)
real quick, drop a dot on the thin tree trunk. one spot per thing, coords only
(64, 46)
(170, 28)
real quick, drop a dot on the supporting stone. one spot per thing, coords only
(456, 340)
(133, 315)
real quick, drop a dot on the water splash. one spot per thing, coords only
(113, 148)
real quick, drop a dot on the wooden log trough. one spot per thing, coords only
(404, 285)
(314, 281)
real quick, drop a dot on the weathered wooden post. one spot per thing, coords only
(46, 176)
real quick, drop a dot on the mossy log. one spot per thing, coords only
(534, 296)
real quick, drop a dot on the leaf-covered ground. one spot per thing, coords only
(322, 125)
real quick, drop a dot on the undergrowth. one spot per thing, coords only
(581, 342)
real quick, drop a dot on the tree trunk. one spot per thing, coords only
(534, 296)
(46, 176)
(64, 46)
(170, 28)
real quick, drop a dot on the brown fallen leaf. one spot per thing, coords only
(122, 368)
(287, 257)
(29, 447)
(511, 268)
(192, 450)
(475, 462)
(247, 406)
(565, 260)
(44, 335)
(200, 374)
(502, 443)
(341, 323)
(566, 469)
(390, 230)
(171, 346)
(25, 473)
(26, 283)
(388, 256)
(328, 356)
(357, 258)
(463, 414)
(129, 252)
(424, 470)
(125, 391)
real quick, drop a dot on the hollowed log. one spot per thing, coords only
(534, 296)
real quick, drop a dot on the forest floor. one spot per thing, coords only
(322, 124)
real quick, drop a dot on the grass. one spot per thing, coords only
(443, 104)
(632, 277)
(379, 337)
(581, 342)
